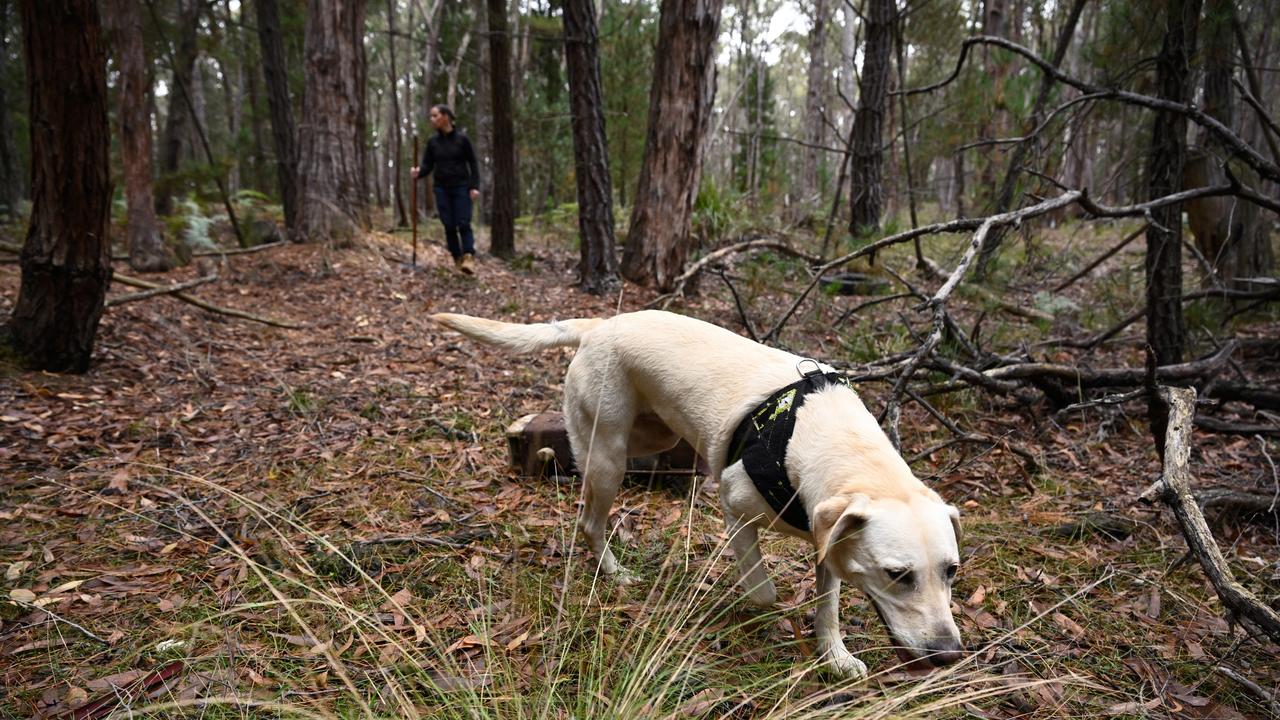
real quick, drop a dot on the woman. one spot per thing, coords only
(457, 180)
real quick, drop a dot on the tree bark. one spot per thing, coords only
(483, 138)
(401, 218)
(66, 265)
(815, 101)
(177, 127)
(598, 263)
(1231, 233)
(502, 242)
(1004, 200)
(431, 16)
(283, 133)
(332, 189)
(1166, 327)
(681, 102)
(865, 199)
(147, 251)
(10, 183)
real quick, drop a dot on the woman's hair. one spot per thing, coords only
(445, 110)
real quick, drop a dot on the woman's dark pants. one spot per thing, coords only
(454, 205)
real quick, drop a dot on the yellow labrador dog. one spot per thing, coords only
(793, 449)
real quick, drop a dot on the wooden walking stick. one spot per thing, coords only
(413, 202)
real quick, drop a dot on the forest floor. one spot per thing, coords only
(252, 522)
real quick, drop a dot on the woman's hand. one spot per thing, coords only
(475, 194)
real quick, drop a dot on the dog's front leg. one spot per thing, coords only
(827, 628)
(744, 538)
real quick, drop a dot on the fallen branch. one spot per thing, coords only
(1240, 603)
(135, 282)
(713, 257)
(241, 251)
(132, 297)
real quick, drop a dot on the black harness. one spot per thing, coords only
(761, 440)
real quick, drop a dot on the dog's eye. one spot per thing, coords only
(951, 572)
(901, 576)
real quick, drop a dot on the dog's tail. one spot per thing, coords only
(519, 338)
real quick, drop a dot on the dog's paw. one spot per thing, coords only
(623, 576)
(844, 664)
(763, 596)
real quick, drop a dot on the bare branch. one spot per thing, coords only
(1238, 147)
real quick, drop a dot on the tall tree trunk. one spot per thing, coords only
(1004, 200)
(1166, 328)
(1231, 233)
(10, 182)
(815, 101)
(283, 133)
(177, 126)
(483, 138)
(502, 240)
(681, 102)
(66, 264)
(598, 265)
(455, 68)
(402, 219)
(260, 177)
(430, 52)
(332, 194)
(147, 251)
(868, 158)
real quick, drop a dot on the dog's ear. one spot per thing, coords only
(837, 517)
(955, 523)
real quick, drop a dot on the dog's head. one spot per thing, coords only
(903, 553)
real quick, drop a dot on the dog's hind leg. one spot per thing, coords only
(744, 538)
(598, 427)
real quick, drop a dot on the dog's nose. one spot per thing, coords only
(944, 652)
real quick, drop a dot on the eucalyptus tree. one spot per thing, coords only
(66, 264)
(597, 266)
(332, 163)
(681, 101)
(283, 131)
(502, 241)
(866, 193)
(1166, 326)
(147, 251)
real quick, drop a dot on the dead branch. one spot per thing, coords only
(1270, 697)
(241, 251)
(1100, 259)
(161, 290)
(1176, 480)
(1225, 428)
(737, 301)
(1238, 147)
(135, 282)
(664, 301)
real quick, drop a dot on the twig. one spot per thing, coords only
(1266, 696)
(241, 251)
(59, 618)
(131, 297)
(742, 312)
(1229, 139)
(712, 257)
(135, 282)
(1238, 600)
(1100, 259)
